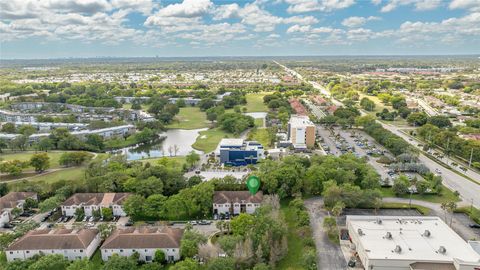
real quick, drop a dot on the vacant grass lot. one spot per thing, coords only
(208, 140)
(423, 210)
(189, 118)
(260, 135)
(296, 240)
(25, 156)
(446, 195)
(255, 102)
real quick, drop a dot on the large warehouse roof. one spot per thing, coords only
(417, 238)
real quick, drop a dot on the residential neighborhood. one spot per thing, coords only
(240, 135)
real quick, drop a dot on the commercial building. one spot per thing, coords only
(238, 152)
(11, 201)
(93, 202)
(409, 243)
(301, 132)
(73, 244)
(144, 241)
(236, 202)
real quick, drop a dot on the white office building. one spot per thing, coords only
(409, 243)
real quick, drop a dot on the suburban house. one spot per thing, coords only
(236, 202)
(94, 201)
(11, 201)
(145, 241)
(71, 243)
(238, 152)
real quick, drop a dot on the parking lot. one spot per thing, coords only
(338, 141)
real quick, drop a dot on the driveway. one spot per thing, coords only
(329, 255)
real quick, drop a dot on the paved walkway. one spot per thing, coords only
(329, 255)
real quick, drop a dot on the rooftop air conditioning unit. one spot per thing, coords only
(360, 232)
(398, 249)
(388, 235)
(442, 250)
(427, 233)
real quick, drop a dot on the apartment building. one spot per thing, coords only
(145, 241)
(236, 202)
(90, 202)
(73, 244)
(11, 201)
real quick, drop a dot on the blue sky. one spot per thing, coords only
(126, 28)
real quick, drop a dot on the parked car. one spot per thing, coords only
(193, 222)
(129, 223)
(474, 225)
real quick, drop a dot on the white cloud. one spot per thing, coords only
(376, 2)
(358, 21)
(301, 20)
(188, 9)
(84, 20)
(301, 6)
(223, 12)
(473, 5)
(420, 5)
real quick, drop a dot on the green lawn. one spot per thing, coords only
(296, 240)
(208, 140)
(25, 156)
(71, 174)
(260, 135)
(423, 210)
(446, 195)
(97, 260)
(259, 122)
(255, 102)
(190, 118)
(180, 160)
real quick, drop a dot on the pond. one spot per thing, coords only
(173, 140)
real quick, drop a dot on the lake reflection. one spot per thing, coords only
(181, 138)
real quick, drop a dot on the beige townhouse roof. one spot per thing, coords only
(105, 199)
(144, 238)
(221, 197)
(11, 199)
(57, 239)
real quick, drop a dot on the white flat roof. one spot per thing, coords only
(231, 142)
(409, 234)
(300, 121)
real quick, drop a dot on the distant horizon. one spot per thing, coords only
(242, 56)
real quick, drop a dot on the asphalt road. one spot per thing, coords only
(329, 255)
(469, 191)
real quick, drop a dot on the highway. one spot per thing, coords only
(469, 191)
